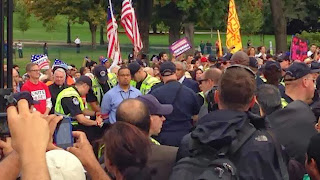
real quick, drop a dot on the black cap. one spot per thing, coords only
(212, 58)
(313, 150)
(315, 67)
(25, 95)
(253, 62)
(154, 106)
(270, 64)
(101, 73)
(282, 57)
(134, 67)
(297, 70)
(85, 79)
(167, 68)
(227, 56)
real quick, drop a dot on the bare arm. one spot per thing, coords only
(95, 106)
(88, 112)
(85, 121)
(10, 167)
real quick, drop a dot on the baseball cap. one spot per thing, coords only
(297, 70)
(270, 64)
(154, 106)
(212, 58)
(101, 73)
(204, 59)
(103, 61)
(64, 165)
(134, 67)
(167, 68)
(315, 67)
(85, 79)
(313, 150)
(25, 95)
(253, 62)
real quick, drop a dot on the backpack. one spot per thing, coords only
(207, 163)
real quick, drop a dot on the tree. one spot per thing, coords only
(23, 16)
(80, 11)
(280, 25)
(143, 13)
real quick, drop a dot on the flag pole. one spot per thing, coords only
(220, 45)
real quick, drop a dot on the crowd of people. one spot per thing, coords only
(247, 115)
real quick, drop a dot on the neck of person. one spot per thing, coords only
(125, 88)
(296, 95)
(34, 81)
(145, 76)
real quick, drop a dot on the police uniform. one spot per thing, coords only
(146, 85)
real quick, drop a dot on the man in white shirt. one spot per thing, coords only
(19, 47)
(77, 42)
(313, 50)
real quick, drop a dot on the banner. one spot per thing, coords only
(180, 46)
(299, 49)
(41, 60)
(233, 29)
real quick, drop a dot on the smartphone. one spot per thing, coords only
(63, 134)
(4, 128)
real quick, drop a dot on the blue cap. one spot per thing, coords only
(315, 67)
(154, 106)
(167, 68)
(103, 61)
(270, 64)
(297, 70)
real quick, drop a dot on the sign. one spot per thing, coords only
(299, 49)
(180, 46)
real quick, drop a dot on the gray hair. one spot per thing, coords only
(61, 70)
(183, 64)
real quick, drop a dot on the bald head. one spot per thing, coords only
(135, 112)
(214, 74)
(240, 57)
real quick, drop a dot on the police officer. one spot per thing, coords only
(185, 105)
(70, 103)
(141, 80)
(101, 83)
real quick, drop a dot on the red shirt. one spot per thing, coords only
(40, 92)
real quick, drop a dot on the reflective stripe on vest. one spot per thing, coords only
(66, 93)
(284, 103)
(263, 79)
(148, 83)
(154, 141)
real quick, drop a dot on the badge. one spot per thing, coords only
(75, 101)
(102, 73)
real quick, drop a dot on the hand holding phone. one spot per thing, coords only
(63, 134)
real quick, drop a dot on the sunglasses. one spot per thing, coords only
(242, 67)
(202, 80)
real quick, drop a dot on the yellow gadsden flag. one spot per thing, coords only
(233, 29)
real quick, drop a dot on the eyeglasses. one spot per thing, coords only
(314, 80)
(35, 70)
(243, 67)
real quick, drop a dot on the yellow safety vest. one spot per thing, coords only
(66, 93)
(284, 103)
(263, 79)
(154, 141)
(112, 80)
(146, 85)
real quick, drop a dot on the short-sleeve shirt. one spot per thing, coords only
(93, 98)
(39, 92)
(71, 105)
(113, 98)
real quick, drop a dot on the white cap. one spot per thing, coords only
(63, 165)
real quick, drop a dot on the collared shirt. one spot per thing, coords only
(182, 79)
(113, 98)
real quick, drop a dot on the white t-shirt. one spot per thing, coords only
(309, 53)
(19, 45)
(77, 41)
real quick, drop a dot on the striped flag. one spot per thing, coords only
(112, 34)
(41, 60)
(130, 24)
(60, 64)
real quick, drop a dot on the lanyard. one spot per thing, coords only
(123, 97)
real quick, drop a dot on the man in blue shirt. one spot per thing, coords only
(116, 95)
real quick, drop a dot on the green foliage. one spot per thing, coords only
(313, 38)
(250, 16)
(23, 17)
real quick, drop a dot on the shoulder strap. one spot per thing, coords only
(243, 135)
(282, 166)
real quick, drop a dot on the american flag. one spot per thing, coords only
(41, 60)
(129, 23)
(59, 63)
(112, 34)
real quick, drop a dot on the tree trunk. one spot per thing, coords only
(101, 35)
(143, 13)
(154, 28)
(68, 33)
(280, 25)
(174, 32)
(93, 30)
(189, 31)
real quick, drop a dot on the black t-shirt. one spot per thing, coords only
(90, 97)
(71, 105)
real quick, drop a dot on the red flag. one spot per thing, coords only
(112, 34)
(129, 23)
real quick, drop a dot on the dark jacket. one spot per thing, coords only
(294, 126)
(54, 91)
(256, 159)
(162, 159)
(192, 84)
(185, 105)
